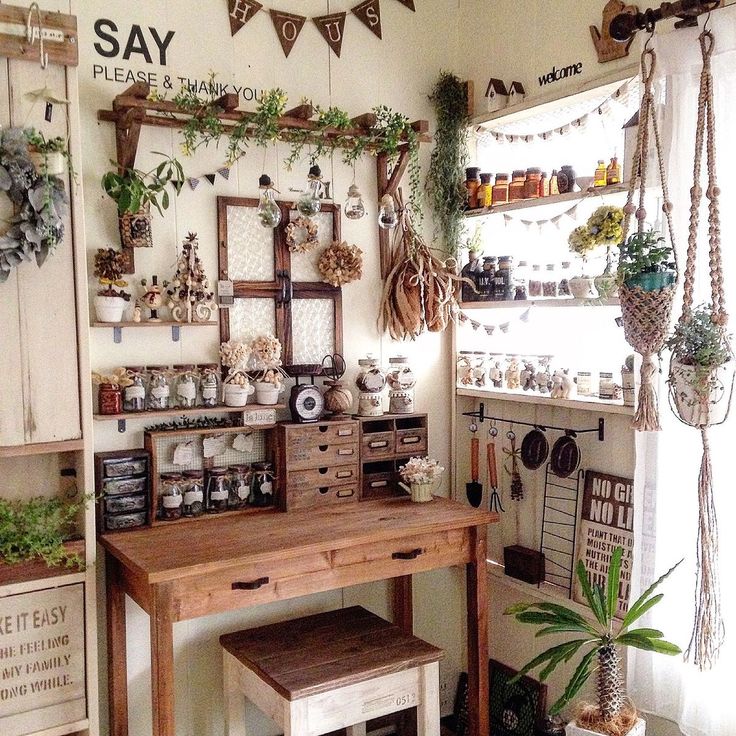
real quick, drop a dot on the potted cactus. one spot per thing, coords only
(600, 641)
(111, 300)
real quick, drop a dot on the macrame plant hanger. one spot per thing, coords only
(695, 407)
(646, 314)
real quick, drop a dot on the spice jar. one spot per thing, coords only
(485, 278)
(500, 190)
(472, 182)
(134, 396)
(532, 183)
(485, 191)
(239, 479)
(584, 383)
(172, 499)
(502, 283)
(216, 490)
(564, 287)
(185, 378)
(554, 184)
(535, 282)
(401, 381)
(550, 282)
(566, 176)
(521, 281)
(480, 369)
(464, 368)
(613, 172)
(159, 390)
(209, 384)
(599, 177)
(516, 187)
(193, 491)
(261, 485)
(110, 399)
(370, 382)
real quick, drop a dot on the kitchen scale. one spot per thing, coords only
(306, 401)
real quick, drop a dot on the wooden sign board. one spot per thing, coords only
(606, 521)
(42, 683)
(59, 33)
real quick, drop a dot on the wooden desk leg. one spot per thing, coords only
(162, 660)
(477, 583)
(117, 662)
(403, 604)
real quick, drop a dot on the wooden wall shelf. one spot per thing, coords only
(44, 448)
(117, 327)
(555, 303)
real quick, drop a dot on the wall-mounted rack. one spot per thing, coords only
(481, 416)
(625, 25)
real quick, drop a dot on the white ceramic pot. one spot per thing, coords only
(421, 492)
(582, 287)
(109, 308)
(266, 393)
(606, 286)
(53, 163)
(701, 399)
(236, 395)
(572, 729)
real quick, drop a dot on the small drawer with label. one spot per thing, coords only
(126, 504)
(377, 445)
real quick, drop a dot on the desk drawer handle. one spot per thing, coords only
(344, 474)
(411, 440)
(407, 555)
(252, 585)
(375, 445)
(346, 452)
(378, 483)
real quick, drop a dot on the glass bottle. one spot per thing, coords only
(193, 490)
(239, 480)
(544, 185)
(185, 378)
(209, 384)
(613, 172)
(401, 381)
(216, 491)
(159, 389)
(521, 281)
(485, 190)
(532, 182)
(564, 287)
(502, 283)
(472, 182)
(516, 187)
(354, 205)
(480, 369)
(171, 496)
(535, 282)
(269, 213)
(464, 368)
(109, 399)
(261, 486)
(370, 381)
(599, 178)
(309, 203)
(569, 175)
(500, 191)
(550, 282)
(134, 396)
(554, 187)
(485, 278)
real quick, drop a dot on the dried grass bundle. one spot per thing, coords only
(589, 716)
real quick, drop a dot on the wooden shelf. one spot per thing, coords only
(526, 303)
(198, 411)
(30, 570)
(589, 403)
(44, 448)
(524, 204)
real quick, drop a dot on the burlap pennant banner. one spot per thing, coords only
(240, 12)
(332, 28)
(288, 27)
(369, 13)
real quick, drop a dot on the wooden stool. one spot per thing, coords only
(334, 670)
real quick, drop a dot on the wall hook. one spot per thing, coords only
(31, 33)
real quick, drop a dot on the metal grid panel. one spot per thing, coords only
(250, 251)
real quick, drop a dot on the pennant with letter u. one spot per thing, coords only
(332, 28)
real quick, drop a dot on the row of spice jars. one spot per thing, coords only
(531, 183)
(215, 490)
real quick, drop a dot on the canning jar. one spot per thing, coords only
(216, 490)
(239, 479)
(193, 491)
(185, 381)
(171, 496)
(159, 389)
(134, 396)
(209, 384)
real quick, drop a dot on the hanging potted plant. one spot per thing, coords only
(269, 383)
(601, 640)
(110, 300)
(645, 261)
(50, 156)
(236, 386)
(134, 192)
(701, 370)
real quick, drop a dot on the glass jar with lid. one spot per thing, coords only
(535, 282)
(516, 187)
(472, 182)
(261, 485)
(521, 281)
(484, 279)
(134, 395)
(500, 191)
(239, 480)
(209, 384)
(495, 369)
(485, 191)
(171, 497)
(185, 381)
(401, 382)
(216, 490)
(532, 183)
(193, 491)
(370, 382)
(550, 282)
(480, 369)
(464, 368)
(159, 388)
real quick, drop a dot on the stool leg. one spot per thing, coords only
(234, 698)
(357, 730)
(295, 718)
(428, 710)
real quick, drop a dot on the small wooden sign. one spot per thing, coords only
(409, 4)
(369, 13)
(288, 27)
(332, 28)
(607, 48)
(240, 12)
(42, 683)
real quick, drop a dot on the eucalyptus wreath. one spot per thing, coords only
(39, 203)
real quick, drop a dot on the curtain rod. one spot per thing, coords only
(625, 25)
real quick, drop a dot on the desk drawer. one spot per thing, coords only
(325, 476)
(299, 457)
(412, 441)
(316, 496)
(325, 433)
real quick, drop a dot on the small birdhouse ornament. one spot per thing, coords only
(497, 96)
(517, 93)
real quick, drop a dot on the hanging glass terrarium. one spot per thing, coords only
(388, 217)
(269, 213)
(309, 203)
(354, 206)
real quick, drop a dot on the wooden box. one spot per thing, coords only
(524, 564)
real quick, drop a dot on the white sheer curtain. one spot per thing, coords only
(702, 703)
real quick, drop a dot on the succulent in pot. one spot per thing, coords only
(50, 156)
(645, 261)
(111, 299)
(701, 368)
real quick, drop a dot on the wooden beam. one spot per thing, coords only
(302, 112)
(398, 172)
(14, 43)
(366, 120)
(228, 102)
(384, 236)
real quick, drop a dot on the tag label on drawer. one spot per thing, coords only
(397, 700)
(256, 417)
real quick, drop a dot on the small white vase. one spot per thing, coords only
(52, 163)
(421, 492)
(572, 729)
(236, 395)
(109, 308)
(266, 393)
(582, 287)
(701, 400)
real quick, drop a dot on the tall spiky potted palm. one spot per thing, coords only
(600, 644)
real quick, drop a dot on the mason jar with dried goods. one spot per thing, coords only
(535, 282)
(216, 490)
(109, 399)
(464, 368)
(532, 183)
(209, 384)
(472, 182)
(550, 282)
(134, 395)
(516, 187)
(185, 381)
(563, 288)
(171, 497)
(500, 191)
(584, 381)
(480, 369)
(521, 281)
(193, 492)
(485, 191)
(159, 388)
(239, 479)
(261, 485)
(401, 380)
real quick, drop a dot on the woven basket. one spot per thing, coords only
(135, 228)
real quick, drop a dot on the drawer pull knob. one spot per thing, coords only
(346, 452)
(324, 448)
(346, 493)
(407, 555)
(411, 440)
(377, 444)
(252, 585)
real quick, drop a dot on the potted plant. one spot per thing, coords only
(600, 641)
(420, 473)
(645, 262)
(266, 352)
(110, 301)
(236, 386)
(582, 243)
(50, 156)
(701, 370)
(134, 191)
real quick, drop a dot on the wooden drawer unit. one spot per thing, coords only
(122, 480)
(377, 445)
(322, 496)
(325, 476)
(324, 433)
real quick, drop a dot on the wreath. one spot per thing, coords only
(307, 229)
(341, 263)
(39, 203)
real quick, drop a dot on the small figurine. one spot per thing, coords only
(556, 391)
(526, 377)
(512, 374)
(543, 377)
(496, 374)
(566, 384)
(153, 298)
(137, 313)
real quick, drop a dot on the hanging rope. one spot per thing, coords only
(646, 314)
(708, 629)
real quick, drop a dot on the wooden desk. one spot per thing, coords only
(186, 570)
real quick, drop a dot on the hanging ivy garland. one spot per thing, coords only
(39, 203)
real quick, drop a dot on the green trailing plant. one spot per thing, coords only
(133, 189)
(446, 175)
(265, 121)
(37, 528)
(698, 341)
(598, 641)
(645, 252)
(204, 126)
(37, 141)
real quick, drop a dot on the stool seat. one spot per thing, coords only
(318, 653)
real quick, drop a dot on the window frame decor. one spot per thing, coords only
(281, 289)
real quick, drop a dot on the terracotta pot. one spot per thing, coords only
(51, 164)
(109, 308)
(582, 287)
(266, 393)
(236, 395)
(701, 398)
(572, 729)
